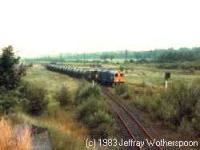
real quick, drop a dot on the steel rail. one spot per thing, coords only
(133, 119)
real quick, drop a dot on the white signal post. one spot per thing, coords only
(167, 77)
(166, 84)
(93, 83)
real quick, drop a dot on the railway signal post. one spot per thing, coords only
(93, 83)
(167, 77)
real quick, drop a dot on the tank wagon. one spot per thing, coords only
(102, 76)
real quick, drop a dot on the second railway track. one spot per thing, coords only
(133, 127)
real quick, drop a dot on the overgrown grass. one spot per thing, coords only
(85, 91)
(51, 81)
(123, 90)
(34, 98)
(64, 141)
(65, 131)
(8, 100)
(153, 76)
(64, 96)
(178, 106)
(62, 130)
(94, 112)
(9, 140)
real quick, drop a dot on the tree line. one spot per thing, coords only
(158, 55)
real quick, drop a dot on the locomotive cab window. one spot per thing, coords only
(121, 74)
(116, 75)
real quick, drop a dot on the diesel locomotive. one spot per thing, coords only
(100, 75)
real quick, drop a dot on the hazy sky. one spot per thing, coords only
(36, 27)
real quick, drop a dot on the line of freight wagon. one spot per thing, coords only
(100, 75)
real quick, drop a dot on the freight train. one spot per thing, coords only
(100, 75)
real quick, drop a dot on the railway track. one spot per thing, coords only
(131, 125)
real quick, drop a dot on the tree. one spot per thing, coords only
(10, 70)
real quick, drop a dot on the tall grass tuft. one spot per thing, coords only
(9, 141)
(24, 140)
(6, 135)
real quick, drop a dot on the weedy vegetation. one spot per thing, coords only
(9, 140)
(58, 113)
(63, 96)
(178, 106)
(72, 109)
(94, 112)
(34, 98)
(123, 90)
(85, 91)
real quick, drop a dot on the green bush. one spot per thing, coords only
(85, 91)
(102, 131)
(123, 90)
(121, 68)
(60, 140)
(63, 96)
(34, 98)
(94, 113)
(179, 102)
(178, 106)
(91, 106)
(8, 99)
(186, 126)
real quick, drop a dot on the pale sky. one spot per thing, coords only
(38, 27)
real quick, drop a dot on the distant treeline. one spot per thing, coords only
(158, 55)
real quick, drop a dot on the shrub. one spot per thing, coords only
(90, 106)
(178, 106)
(8, 99)
(121, 68)
(94, 113)
(7, 102)
(185, 126)
(102, 125)
(131, 61)
(34, 98)
(179, 101)
(123, 90)
(102, 131)
(86, 91)
(60, 140)
(63, 96)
